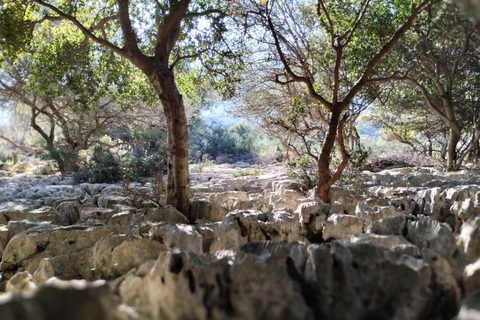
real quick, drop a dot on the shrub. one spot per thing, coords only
(216, 140)
(66, 161)
(206, 163)
(103, 167)
(304, 169)
(143, 167)
(247, 172)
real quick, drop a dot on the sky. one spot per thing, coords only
(4, 117)
(219, 114)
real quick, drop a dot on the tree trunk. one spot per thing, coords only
(444, 147)
(324, 175)
(455, 133)
(178, 185)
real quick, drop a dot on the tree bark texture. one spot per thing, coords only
(178, 185)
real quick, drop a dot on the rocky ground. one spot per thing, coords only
(262, 248)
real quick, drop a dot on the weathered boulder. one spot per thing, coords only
(285, 199)
(370, 213)
(108, 201)
(228, 199)
(134, 252)
(240, 286)
(182, 236)
(207, 210)
(347, 198)
(20, 282)
(29, 247)
(102, 255)
(469, 238)
(471, 277)
(430, 234)
(4, 237)
(165, 214)
(470, 307)
(74, 300)
(68, 212)
(96, 213)
(385, 241)
(58, 267)
(342, 227)
(361, 281)
(261, 226)
(395, 225)
(466, 209)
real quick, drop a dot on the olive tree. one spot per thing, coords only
(336, 50)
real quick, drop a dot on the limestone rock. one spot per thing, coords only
(68, 212)
(258, 226)
(344, 277)
(182, 236)
(166, 214)
(471, 277)
(108, 201)
(395, 225)
(342, 227)
(20, 282)
(385, 241)
(76, 300)
(59, 267)
(207, 210)
(134, 252)
(469, 239)
(373, 213)
(427, 233)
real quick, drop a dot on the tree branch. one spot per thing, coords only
(24, 148)
(385, 49)
(89, 34)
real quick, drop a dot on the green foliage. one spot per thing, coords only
(358, 157)
(136, 168)
(246, 172)
(10, 162)
(304, 169)
(216, 140)
(9, 156)
(205, 163)
(15, 20)
(103, 167)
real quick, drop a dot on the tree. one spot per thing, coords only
(336, 50)
(442, 78)
(67, 86)
(156, 37)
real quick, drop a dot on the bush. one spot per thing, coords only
(304, 169)
(143, 167)
(103, 167)
(246, 172)
(66, 161)
(217, 140)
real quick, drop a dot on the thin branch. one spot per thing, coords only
(83, 29)
(357, 22)
(384, 50)
(42, 20)
(24, 148)
(205, 13)
(321, 7)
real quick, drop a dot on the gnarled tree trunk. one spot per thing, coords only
(453, 140)
(178, 185)
(324, 175)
